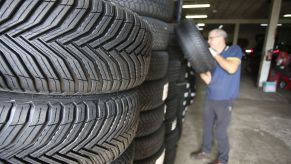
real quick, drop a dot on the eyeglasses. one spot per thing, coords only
(212, 37)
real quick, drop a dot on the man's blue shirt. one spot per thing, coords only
(225, 86)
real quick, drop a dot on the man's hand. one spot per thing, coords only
(213, 52)
(206, 77)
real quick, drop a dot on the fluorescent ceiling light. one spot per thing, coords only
(287, 15)
(196, 16)
(264, 25)
(201, 24)
(196, 6)
(200, 28)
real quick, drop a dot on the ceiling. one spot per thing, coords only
(229, 12)
(236, 9)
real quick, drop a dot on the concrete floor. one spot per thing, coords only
(260, 130)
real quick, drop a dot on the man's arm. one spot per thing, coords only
(206, 77)
(229, 64)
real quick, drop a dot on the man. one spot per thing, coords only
(223, 87)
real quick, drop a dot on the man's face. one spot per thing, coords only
(214, 40)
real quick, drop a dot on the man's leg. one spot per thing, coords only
(223, 114)
(208, 122)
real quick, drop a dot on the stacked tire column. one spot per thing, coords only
(150, 147)
(69, 72)
(181, 85)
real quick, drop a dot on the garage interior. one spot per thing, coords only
(114, 82)
(260, 129)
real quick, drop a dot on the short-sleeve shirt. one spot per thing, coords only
(223, 85)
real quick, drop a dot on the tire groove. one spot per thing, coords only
(46, 67)
(3, 20)
(64, 71)
(38, 60)
(71, 134)
(34, 152)
(102, 27)
(96, 14)
(36, 19)
(3, 82)
(15, 80)
(81, 157)
(18, 124)
(102, 68)
(116, 71)
(79, 138)
(65, 159)
(113, 126)
(27, 59)
(76, 72)
(48, 159)
(111, 33)
(105, 127)
(40, 139)
(91, 73)
(73, 23)
(92, 155)
(27, 132)
(31, 160)
(26, 7)
(60, 133)
(56, 21)
(93, 133)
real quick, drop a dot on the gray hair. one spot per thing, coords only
(220, 32)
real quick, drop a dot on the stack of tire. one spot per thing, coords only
(150, 141)
(69, 77)
(179, 87)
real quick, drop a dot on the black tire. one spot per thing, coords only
(170, 156)
(172, 139)
(66, 129)
(171, 125)
(176, 62)
(172, 38)
(174, 67)
(160, 9)
(183, 74)
(177, 53)
(172, 90)
(171, 107)
(150, 121)
(127, 156)
(71, 47)
(147, 146)
(153, 94)
(194, 47)
(157, 158)
(160, 33)
(158, 65)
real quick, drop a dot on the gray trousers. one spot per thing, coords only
(218, 113)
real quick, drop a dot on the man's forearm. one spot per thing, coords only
(229, 65)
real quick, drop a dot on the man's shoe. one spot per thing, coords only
(200, 156)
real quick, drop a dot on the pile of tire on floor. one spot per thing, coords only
(91, 81)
